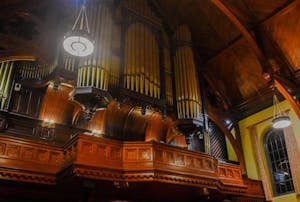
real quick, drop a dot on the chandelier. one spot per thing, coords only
(280, 119)
(78, 42)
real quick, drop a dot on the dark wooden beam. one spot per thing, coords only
(246, 33)
(287, 96)
(285, 9)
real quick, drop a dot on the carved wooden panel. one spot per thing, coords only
(24, 160)
(254, 187)
(2, 148)
(105, 159)
(104, 153)
(33, 153)
(229, 173)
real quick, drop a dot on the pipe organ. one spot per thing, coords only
(140, 84)
(6, 69)
(167, 69)
(188, 99)
(94, 70)
(31, 70)
(141, 68)
(115, 56)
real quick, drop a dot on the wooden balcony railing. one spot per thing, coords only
(85, 156)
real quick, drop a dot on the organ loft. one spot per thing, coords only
(149, 100)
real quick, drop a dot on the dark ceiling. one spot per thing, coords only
(235, 41)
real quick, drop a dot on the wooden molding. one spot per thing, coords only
(287, 96)
(97, 158)
(293, 155)
(260, 163)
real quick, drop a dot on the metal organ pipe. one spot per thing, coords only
(141, 69)
(187, 88)
(93, 70)
(6, 69)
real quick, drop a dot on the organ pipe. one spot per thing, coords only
(94, 70)
(188, 98)
(141, 68)
(6, 69)
(115, 58)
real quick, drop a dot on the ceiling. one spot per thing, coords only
(235, 42)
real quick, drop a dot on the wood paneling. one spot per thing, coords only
(284, 29)
(143, 161)
(104, 159)
(237, 72)
(29, 161)
(56, 105)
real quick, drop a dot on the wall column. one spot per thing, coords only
(293, 154)
(258, 157)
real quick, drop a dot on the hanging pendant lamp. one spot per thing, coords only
(78, 41)
(280, 119)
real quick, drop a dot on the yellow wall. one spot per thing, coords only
(263, 121)
(230, 151)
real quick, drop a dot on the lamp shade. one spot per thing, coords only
(78, 43)
(280, 122)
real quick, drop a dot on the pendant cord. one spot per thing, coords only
(82, 16)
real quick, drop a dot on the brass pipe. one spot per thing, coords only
(4, 77)
(133, 59)
(180, 83)
(8, 80)
(129, 64)
(1, 75)
(184, 90)
(177, 84)
(168, 65)
(151, 64)
(102, 47)
(107, 35)
(93, 76)
(98, 77)
(78, 78)
(126, 55)
(189, 85)
(153, 69)
(84, 76)
(147, 62)
(155, 72)
(142, 75)
(104, 42)
(108, 58)
(137, 56)
(98, 22)
(194, 84)
(130, 55)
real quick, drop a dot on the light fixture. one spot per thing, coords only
(78, 42)
(280, 119)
